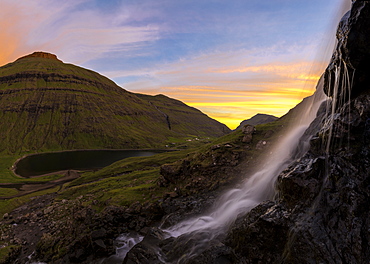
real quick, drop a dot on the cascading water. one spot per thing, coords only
(259, 186)
(256, 189)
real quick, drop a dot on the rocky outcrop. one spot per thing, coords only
(40, 54)
(69, 231)
(217, 166)
(350, 61)
(322, 213)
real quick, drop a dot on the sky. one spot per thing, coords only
(231, 59)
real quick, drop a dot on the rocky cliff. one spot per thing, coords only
(46, 104)
(322, 214)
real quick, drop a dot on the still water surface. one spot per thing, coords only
(39, 164)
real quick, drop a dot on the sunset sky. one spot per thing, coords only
(231, 59)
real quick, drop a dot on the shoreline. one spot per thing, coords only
(14, 166)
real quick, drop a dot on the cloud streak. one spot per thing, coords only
(231, 86)
(231, 59)
(75, 33)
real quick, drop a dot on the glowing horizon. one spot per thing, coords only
(230, 60)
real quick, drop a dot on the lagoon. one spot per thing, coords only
(44, 163)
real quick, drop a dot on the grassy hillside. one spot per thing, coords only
(46, 104)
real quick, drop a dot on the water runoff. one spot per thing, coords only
(257, 188)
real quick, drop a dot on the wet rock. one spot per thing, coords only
(261, 144)
(101, 233)
(215, 254)
(146, 252)
(100, 243)
(352, 55)
(260, 236)
(322, 211)
(301, 182)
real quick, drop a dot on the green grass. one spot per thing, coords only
(53, 106)
(7, 176)
(128, 180)
(129, 165)
(135, 179)
(10, 204)
(120, 190)
(7, 192)
(4, 251)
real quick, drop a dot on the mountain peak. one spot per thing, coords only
(41, 54)
(257, 119)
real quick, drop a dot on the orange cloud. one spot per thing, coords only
(233, 106)
(231, 96)
(74, 34)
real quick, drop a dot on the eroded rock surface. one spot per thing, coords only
(322, 214)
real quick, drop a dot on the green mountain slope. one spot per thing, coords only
(46, 104)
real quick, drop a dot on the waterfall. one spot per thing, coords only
(257, 188)
(260, 186)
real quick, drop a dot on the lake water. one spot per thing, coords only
(44, 163)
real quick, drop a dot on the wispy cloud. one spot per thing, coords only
(69, 29)
(231, 59)
(231, 86)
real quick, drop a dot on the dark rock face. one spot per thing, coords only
(66, 231)
(352, 54)
(322, 213)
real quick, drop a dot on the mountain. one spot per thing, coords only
(46, 104)
(321, 214)
(258, 119)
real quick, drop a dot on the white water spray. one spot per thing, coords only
(260, 186)
(257, 188)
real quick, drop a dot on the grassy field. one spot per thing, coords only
(132, 179)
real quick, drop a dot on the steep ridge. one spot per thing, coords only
(46, 104)
(257, 119)
(322, 213)
(321, 210)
